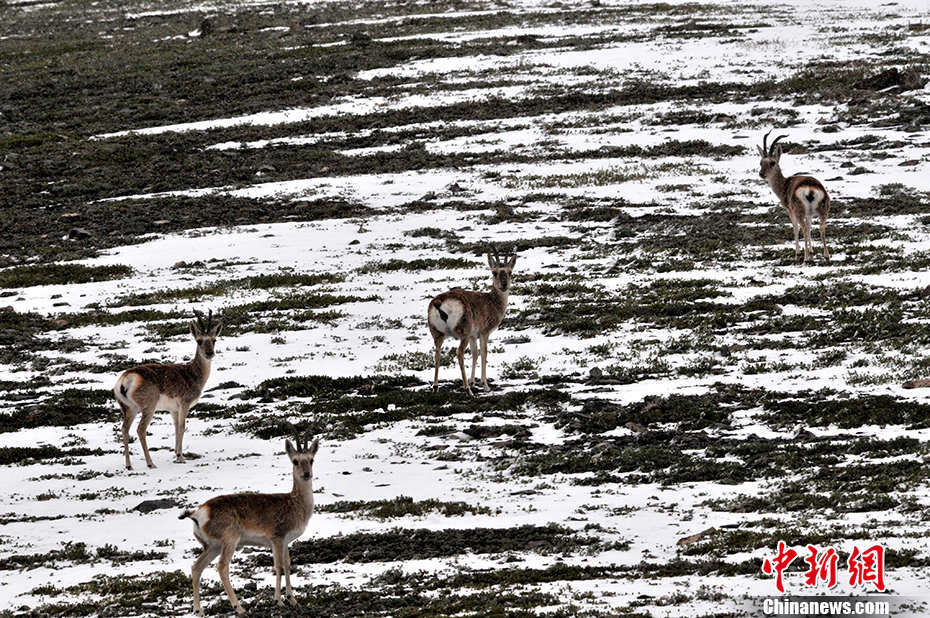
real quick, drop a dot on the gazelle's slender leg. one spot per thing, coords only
(210, 552)
(287, 576)
(823, 236)
(176, 419)
(129, 413)
(140, 431)
(229, 547)
(277, 550)
(437, 344)
(463, 343)
(179, 434)
(807, 236)
(484, 362)
(473, 343)
(795, 226)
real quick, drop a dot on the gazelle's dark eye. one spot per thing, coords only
(295, 462)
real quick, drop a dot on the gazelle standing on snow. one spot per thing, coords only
(268, 520)
(801, 195)
(468, 316)
(167, 386)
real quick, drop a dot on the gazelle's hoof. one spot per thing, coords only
(129, 466)
(151, 465)
(179, 460)
(281, 604)
(292, 601)
(240, 610)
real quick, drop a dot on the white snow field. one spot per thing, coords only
(316, 171)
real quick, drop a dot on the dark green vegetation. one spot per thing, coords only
(405, 544)
(345, 407)
(76, 553)
(59, 274)
(66, 408)
(396, 595)
(25, 455)
(225, 286)
(401, 507)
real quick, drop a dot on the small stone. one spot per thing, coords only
(694, 538)
(361, 39)
(206, 27)
(147, 506)
(78, 233)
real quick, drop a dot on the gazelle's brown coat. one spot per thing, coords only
(801, 196)
(469, 316)
(175, 387)
(269, 520)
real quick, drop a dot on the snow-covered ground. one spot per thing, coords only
(657, 331)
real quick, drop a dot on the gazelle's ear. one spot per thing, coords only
(217, 329)
(491, 262)
(513, 260)
(291, 451)
(778, 153)
(314, 446)
(193, 329)
(761, 152)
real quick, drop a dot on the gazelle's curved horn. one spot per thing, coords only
(765, 139)
(771, 150)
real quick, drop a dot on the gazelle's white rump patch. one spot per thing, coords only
(454, 311)
(809, 195)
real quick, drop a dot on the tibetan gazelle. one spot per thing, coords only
(224, 523)
(469, 316)
(801, 195)
(168, 386)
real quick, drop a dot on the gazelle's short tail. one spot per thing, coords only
(438, 305)
(916, 384)
(125, 383)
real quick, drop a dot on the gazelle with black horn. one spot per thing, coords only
(468, 316)
(175, 387)
(801, 195)
(224, 523)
